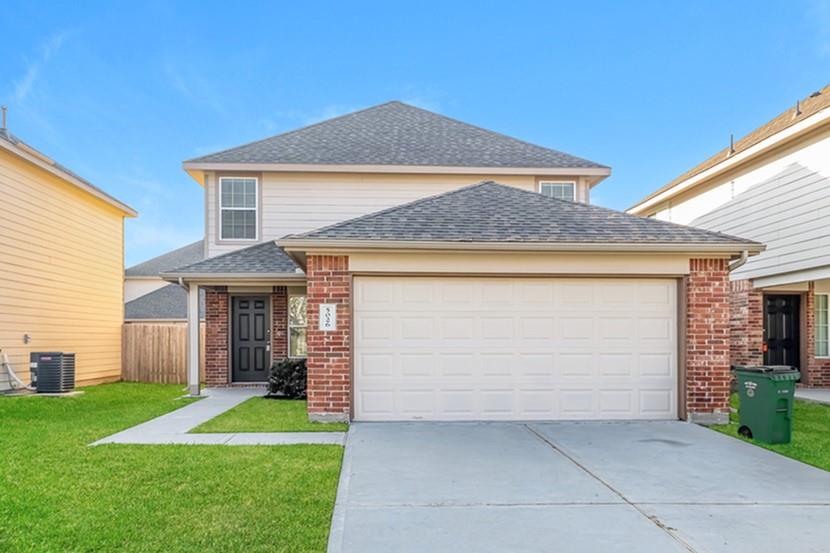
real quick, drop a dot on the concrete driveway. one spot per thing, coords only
(568, 487)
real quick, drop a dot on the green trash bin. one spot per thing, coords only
(767, 394)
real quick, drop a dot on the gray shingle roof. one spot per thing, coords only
(169, 302)
(265, 258)
(186, 255)
(491, 212)
(397, 134)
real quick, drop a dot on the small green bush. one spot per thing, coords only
(288, 379)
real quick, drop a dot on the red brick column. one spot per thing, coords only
(707, 341)
(746, 323)
(329, 352)
(817, 371)
(217, 367)
(279, 323)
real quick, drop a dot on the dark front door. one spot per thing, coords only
(251, 338)
(781, 330)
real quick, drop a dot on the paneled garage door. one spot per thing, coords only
(443, 348)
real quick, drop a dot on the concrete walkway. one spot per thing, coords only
(819, 395)
(173, 427)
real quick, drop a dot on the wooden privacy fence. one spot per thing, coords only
(157, 352)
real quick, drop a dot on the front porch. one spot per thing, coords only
(782, 324)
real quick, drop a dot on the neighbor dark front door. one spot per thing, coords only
(781, 330)
(251, 338)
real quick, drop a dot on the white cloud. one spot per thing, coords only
(23, 86)
(195, 87)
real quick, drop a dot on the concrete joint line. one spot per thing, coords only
(653, 519)
(460, 505)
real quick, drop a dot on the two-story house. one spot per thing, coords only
(433, 270)
(61, 266)
(772, 186)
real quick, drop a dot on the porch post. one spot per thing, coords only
(193, 324)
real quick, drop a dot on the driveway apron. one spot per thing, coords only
(571, 487)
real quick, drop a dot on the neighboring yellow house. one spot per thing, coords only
(61, 265)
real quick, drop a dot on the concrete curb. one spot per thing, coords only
(338, 515)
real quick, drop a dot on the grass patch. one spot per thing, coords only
(260, 414)
(59, 495)
(811, 433)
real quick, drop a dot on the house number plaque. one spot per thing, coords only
(328, 317)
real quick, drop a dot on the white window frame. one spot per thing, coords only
(255, 208)
(816, 326)
(290, 326)
(559, 183)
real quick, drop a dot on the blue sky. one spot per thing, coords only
(123, 92)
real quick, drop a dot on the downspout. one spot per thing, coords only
(740, 261)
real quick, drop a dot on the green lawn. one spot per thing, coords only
(261, 414)
(811, 433)
(59, 495)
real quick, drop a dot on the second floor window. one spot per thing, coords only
(237, 208)
(559, 190)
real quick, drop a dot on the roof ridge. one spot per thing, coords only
(390, 209)
(179, 269)
(503, 135)
(584, 206)
(298, 129)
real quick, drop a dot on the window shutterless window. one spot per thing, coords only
(821, 326)
(297, 326)
(559, 190)
(237, 208)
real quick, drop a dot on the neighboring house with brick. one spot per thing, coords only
(432, 270)
(61, 265)
(773, 186)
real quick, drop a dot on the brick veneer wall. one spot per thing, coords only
(279, 323)
(217, 371)
(707, 340)
(817, 370)
(329, 353)
(746, 323)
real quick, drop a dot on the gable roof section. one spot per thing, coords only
(492, 213)
(265, 259)
(806, 108)
(397, 134)
(168, 303)
(13, 144)
(180, 257)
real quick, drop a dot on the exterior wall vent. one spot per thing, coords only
(52, 372)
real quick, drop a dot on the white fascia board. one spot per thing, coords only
(421, 169)
(46, 164)
(818, 273)
(729, 163)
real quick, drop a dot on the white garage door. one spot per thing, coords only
(514, 348)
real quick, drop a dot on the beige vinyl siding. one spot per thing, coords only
(61, 272)
(298, 202)
(136, 287)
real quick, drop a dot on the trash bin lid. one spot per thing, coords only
(765, 368)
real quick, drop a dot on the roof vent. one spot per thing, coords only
(816, 93)
(4, 109)
(797, 109)
(731, 144)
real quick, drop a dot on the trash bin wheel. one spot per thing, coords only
(745, 432)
